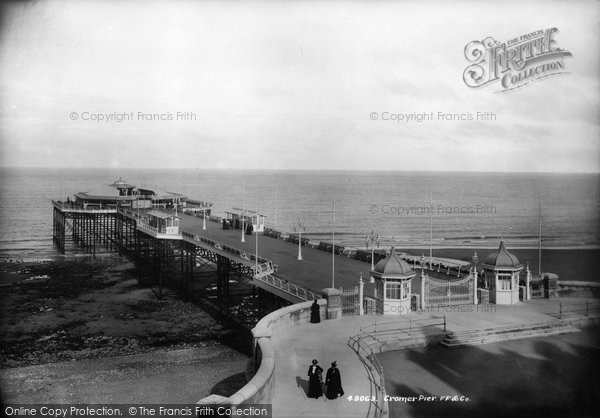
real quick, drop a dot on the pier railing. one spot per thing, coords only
(263, 270)
(72, 207)
(367, 341)
(291, 288)
(224, 247)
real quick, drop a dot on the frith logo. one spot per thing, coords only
(514, 63)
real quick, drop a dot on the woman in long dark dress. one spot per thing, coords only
(315, 378)
(315, 315)
(333, 381)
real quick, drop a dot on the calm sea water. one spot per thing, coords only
(466, 209)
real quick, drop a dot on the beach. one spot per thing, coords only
(90, 315)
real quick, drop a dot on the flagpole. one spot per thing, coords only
(540, 237)
(256, 232)
(430, 230)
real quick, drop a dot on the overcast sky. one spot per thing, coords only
(290, 85)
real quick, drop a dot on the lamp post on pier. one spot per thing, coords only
(373, 239)
(299, 226)
(204, 219)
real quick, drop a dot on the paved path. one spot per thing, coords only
(295, 348)
(327, 341)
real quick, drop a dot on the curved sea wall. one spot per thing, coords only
(259, 390)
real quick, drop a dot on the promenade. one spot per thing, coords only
(327, 341)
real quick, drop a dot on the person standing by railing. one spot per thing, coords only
(315, 315)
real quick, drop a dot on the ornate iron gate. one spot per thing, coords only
(483, 296)
(448, 292)
(350, 302)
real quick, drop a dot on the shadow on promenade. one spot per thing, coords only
(541, 377)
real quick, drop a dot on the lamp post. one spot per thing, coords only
(204, 219)
(256, 234)
(373, 239)
(333, 247)
(244, 213)
(475, 259)
(299, 226)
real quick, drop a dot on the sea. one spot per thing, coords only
(405, 209)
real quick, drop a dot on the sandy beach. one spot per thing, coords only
(90, 315)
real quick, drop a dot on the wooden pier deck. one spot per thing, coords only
(314, 271)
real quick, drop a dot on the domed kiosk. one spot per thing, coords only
(501, 275)
(393, 281)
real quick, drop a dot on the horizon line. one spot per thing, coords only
(297, 169)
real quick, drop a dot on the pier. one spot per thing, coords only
(178, 242)
(194, 254)
(369, 301)
(243, 269)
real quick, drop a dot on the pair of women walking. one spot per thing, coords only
(333, 381)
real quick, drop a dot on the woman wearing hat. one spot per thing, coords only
(334, 382)
(315, 379)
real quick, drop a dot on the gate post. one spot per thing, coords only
(423, 278)
(475, 301)
(334, 302)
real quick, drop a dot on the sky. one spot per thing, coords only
(290, 85)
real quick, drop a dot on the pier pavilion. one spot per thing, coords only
(129, 195)
(236, 216)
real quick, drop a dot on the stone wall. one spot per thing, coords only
(259, 390)
(578, 289)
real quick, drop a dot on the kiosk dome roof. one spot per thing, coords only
(502, 258)
(393, 265)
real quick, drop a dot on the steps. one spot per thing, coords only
(397, 340)
(507, 333)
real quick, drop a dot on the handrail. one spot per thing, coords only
(223, 247)
(375, 369)
(405, 324)
(506, 327)
(73, 206)
(262, 271)
(578, 307)
(297, 290)
(367, 355)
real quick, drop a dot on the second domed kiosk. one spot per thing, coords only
(501, 273)
(393, 281)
